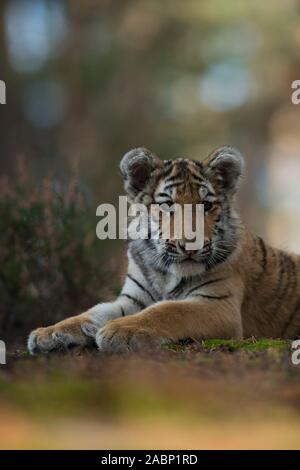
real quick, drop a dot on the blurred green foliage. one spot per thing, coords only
(49, 253)
(178, 77)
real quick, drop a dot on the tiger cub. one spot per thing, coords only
(235, 286)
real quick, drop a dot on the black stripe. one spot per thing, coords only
(165, 201)
(163, 195)
(178, 289)
(291, 290)
(290, 319)
(221, 297)
(263, 254)
(122, 312)
(198, 178)
(204, 284)
(172, 178)
(138, 259)
(141, 287)
(174, 185)
(281, 271)
(167, 170)
(198, 164)
(294, 274)
(134, 300)
(288, 270)
(280, 288)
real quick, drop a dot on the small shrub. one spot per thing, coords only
(51, 263)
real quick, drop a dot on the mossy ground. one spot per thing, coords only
(251, 344)
(209, 394)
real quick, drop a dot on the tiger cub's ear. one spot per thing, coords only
(137, 167)
(225, 167)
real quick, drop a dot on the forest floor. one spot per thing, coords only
(207, 395)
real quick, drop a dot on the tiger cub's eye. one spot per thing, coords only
(168, 206)
(207, 206)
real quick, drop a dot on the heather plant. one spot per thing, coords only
(51, 262)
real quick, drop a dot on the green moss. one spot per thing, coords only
(248, 344)
(18, 354)
(176, 347)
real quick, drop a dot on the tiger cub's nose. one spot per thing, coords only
(183, 248)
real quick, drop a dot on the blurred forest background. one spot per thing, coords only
(89, 79)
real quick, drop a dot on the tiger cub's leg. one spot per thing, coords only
(81, 329)
(169, 321)
(210, 310)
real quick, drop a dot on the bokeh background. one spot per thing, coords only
(86, 80)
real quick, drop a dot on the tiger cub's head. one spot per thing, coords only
(211, 182)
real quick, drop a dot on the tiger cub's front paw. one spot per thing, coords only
(75, 331)
(127, 334)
